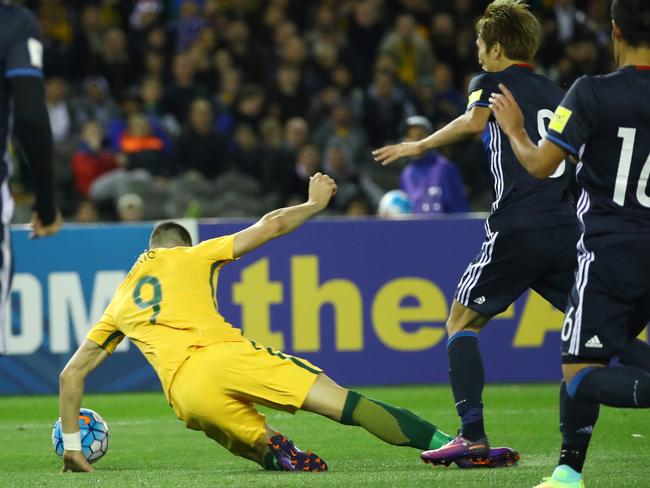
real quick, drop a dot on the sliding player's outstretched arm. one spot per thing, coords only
(71, 388)
(467, 125)
(285, 220)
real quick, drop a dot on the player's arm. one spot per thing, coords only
(34, 137)
(71, 389)
(285, 220)
(31, 123)
(540, 161)
(467, 125)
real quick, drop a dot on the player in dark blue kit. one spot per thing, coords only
(22, 106)
(532, 230)
(610, 301)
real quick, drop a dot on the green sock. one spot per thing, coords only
(393, 425)
(270, 463)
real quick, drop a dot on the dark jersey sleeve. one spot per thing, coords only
(480, 89)
(31, 128)
(24, 55)
(573, 118)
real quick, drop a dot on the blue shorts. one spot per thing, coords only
(609, 304)
(512, 261)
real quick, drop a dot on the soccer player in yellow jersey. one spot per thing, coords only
(211, 374)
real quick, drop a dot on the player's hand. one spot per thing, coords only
(75, 461)
(506, 111)
(40, 230)
(321, 189)
(387, 154)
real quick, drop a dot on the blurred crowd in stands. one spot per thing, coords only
(224, 108)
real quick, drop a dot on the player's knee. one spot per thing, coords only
(574, 371)
(457, 324)
(326, 398)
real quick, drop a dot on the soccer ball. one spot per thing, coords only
(394, 203)
(94, 435)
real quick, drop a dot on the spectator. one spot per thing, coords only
(432, 182)
(250, 57)
(288, 98)
(248, 154)
(151, 93)
(450, 103)
(154, 65)
(444, 38)
(225, 99)
(318, 72)
(294, 52)
(358, 206)
(412, 52)
(130, 207)
(200, 148)
(143, 149)
(182, 90)
(89, 41)
(86, 212)
(364, 35)
(251, 105)
(55, 21)
(296, 185)
(339, 165)
(58, 109)
(116, 64)
(96, 103)
(385, 107)
(189, 25)
(91, 159)
(296, 134)
(340, 127)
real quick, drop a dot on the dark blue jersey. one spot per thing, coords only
(610, 116)
(520, 200)
(21, 54)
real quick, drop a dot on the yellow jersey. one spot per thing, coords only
(167, 306)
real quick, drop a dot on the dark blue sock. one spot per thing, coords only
(577, 420)
(624, 387)
(467, 382)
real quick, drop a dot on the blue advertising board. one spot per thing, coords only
(366, 300)
(61, 286)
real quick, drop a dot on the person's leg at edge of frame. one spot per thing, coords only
(595, 383)
(577, 419)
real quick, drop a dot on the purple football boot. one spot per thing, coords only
(293, 459)
(500, 457)
(470, 454)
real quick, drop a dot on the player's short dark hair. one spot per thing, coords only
(169, 234)
(633, 18)
(510, 23)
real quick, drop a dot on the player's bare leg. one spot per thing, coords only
(393, 425)
(471, 447)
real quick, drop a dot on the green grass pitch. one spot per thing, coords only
(149, 447)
